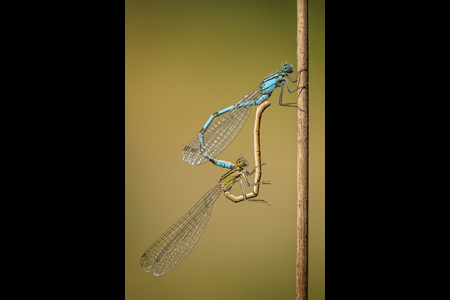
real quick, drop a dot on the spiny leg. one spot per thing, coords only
(261, 182)
(252, 171)
(281, 95)
(256, 183)
(246, 196)
(242, 188)
(287, 85)
(298, 74)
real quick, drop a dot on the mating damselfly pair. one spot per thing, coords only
(218, 132)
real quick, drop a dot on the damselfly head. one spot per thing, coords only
(287, 68)
(241, 162)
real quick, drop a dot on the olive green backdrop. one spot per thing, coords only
(185, 60)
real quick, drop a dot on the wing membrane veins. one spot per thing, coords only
(176, 242)
(221, 132)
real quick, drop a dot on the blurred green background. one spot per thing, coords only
(185, 60)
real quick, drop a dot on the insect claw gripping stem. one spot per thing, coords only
(290, 104)
(287, 86)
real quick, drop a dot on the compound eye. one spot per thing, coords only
(287, 68)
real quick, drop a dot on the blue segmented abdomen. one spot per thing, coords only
(220, 163)
(214, 115)
(223, 126)
(258, 101)
(219, 132)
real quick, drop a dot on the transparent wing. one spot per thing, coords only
(176, 243)
(221, 132)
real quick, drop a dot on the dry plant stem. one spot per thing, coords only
(302, 151)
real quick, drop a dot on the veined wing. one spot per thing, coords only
(176, 243)
(221, 132)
